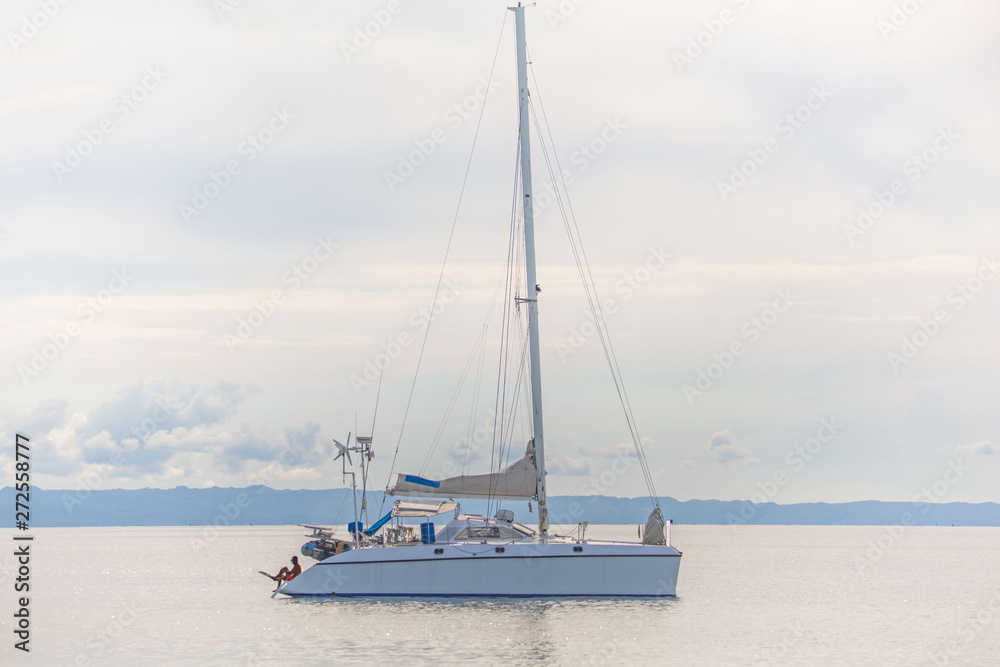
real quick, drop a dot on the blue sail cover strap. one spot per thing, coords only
(378, 524)
(413, 479)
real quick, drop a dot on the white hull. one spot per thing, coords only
(521, 569)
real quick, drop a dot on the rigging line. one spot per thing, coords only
(600, 320)
(525, 409)
(498, 405)
(479, 347)
(606, 343)
(505, 426)
(478, 386)
(517, 380)
(378, 393)
(503, 371)
(515, 412)
(451, 403)
(505, 407)
(601, 328)
(478, 383)
(336, 518)
(510, 311)
(514, 334)
(517, 333)
(477, 392)
(519, 385)
(480, 344)
(451, 236)
(506, 381)
(477, 389)
(516, 330)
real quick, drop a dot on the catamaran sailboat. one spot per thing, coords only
(475, 555)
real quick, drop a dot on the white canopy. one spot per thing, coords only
(518, 481)
(411, 508)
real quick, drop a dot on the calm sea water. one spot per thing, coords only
(752, 595)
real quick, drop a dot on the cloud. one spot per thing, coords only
(983, 447)
(48, 415)
(146, 407)
(464, 451)
(724, 452)
(562, 464)
(588, 457)
(162, 431)
(615, 451)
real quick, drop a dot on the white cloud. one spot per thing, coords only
(722, 450)
(562, 464)
(983, 447)
(167, 430)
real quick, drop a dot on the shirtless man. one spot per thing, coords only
(286, 574)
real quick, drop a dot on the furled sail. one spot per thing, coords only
(654, 528)
(518, 481)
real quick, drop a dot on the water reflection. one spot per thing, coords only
(530, 629)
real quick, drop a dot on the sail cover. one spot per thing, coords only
(654, 528)
(518, 481)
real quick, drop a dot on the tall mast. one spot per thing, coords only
(529, 257)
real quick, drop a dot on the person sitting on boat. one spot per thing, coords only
(286, 574)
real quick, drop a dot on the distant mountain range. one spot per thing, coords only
(183, 506)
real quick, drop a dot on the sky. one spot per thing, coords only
(216, 215)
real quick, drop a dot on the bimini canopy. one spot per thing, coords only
(518, 481)
(411, 508)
